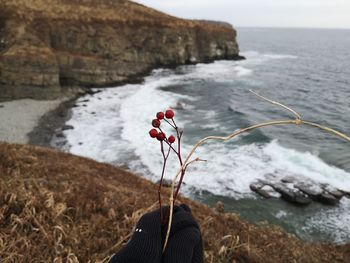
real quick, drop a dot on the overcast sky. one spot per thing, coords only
(269, 13)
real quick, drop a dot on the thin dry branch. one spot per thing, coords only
(276, 103)
(297, 121)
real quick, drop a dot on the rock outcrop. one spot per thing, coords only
(292, 190)
(47, 46)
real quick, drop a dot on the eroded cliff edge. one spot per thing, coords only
(47, 46)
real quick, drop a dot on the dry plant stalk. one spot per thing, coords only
(297, 121)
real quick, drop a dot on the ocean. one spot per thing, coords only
(306, 69)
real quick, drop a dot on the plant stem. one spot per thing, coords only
(179, 135)
(165, 158)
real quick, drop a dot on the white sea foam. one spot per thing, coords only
(242, 71)
(257, 58)
(117, 132)
(332, 222)
(120, 127)
(220, 71)
(279, 56)
(282, 214)
(230, 170)
(96, 135)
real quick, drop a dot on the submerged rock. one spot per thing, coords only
(60, 135)
(289, 179)
(311, 190)
(318, 194)
(291, 195)
(256, 185)
(67, 127)
(346, 193)
(264, 190)
(179, 106)
(333, 191)
(327, 199)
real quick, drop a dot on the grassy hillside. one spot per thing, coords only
(56, 207)
(103, 10)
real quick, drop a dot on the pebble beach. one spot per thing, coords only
(20, 117)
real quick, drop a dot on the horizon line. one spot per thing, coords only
(292, 27)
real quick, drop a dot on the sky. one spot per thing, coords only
(261, 13)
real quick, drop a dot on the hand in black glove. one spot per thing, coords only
(146, 244)
(185, 241)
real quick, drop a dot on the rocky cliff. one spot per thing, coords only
(47, 46)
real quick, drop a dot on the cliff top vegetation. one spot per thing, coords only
(56, 206)
(98, 10)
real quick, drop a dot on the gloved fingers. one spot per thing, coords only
(186, 208)
(155, 215)
(176, 208)
(181, 246)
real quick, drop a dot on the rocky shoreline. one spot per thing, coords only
(19, 117)
(299, 192)
(50, 122)
(50, 47)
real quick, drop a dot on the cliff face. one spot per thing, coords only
(47, 45)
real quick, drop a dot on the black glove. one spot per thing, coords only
(185, 241)
(145, 245)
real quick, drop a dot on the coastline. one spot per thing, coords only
(50, 122)
(19, 118)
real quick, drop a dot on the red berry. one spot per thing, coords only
(153, 133)
(160, 115)
(156, 123)
(169, 114)
(161, 136)
(171, 139)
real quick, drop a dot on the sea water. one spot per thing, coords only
(308, 70)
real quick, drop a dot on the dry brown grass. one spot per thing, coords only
(55, 207)
(104, 11)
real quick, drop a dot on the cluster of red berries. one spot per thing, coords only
(169, 114)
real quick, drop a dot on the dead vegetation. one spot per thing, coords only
(104, 11)
(55, 207)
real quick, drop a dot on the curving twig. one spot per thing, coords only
(276, 103)
(297, 121)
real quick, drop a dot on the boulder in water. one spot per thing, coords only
(289, 179)
(311, 190)
(333, 191)
(327, 199)
(263, 189)
(67, 127)
(291, 195)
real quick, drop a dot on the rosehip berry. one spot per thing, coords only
(171, 139)
(153, 133)
(156, 123)
(161, 136)
(160, 115)
(169, 114)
